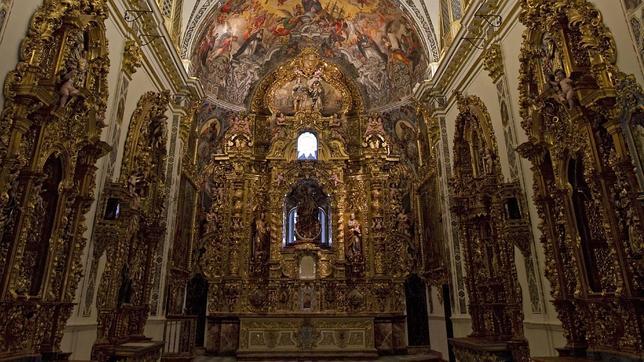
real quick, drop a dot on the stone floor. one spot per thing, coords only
(410, 358)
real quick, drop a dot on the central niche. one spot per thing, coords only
(307, 215)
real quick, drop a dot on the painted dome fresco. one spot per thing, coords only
(371, 40)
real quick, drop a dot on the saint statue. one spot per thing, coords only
(261, 235)
(354, 248)
(308, 223)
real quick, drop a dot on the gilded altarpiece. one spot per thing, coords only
(579, 112)
(308, 253)
(49, 143)
(486, 209)
(131, 226)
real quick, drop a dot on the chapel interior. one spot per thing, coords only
(322, 180)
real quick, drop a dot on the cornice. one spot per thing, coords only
(160, 51)
(462, 52)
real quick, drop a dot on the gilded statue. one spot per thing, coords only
(308, 225)
(354, 248)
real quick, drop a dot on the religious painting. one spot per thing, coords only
(311, 94)
(246, 38)
(212, 124)
(402, 126)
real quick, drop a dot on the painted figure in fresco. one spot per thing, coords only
(407, 139)
(288, 22)
(399, 45)
(369, 49)
(206, 45)
(312, 6)
(209, 139)
(252, 45)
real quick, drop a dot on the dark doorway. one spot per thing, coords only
(196, 304)
(417, 318)
(447, 304)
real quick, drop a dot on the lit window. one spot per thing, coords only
(307, 146)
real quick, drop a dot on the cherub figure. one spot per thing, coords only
(335, 179)
(280, 119)
(564, 87)
(567, 88)
(67, 88)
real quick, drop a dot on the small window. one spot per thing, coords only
(512, 208)
(307, 146)
(112, 209)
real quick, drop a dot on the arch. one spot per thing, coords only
(307, 215)
(255, 50)
(149, 112)
(474, 128)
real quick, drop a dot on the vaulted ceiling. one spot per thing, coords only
(385, 45)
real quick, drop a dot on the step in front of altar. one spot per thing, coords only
(314, 336)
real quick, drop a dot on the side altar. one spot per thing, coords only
(309, 228)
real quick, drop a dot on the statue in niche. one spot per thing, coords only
(308, 225)
(299, 93)
(354, 248)
(564, 87)
(73, 77)
(487, 162)
(261, 237)
(307, 298)
(402, 223)
(550, 54)
(67, 88)
(316, 92)
(158, 131)
(125, 290)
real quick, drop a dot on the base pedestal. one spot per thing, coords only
(472, 349)
(293, 336)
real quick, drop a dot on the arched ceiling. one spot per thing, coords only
(234, 43)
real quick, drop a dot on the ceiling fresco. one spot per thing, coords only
(371, 39)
